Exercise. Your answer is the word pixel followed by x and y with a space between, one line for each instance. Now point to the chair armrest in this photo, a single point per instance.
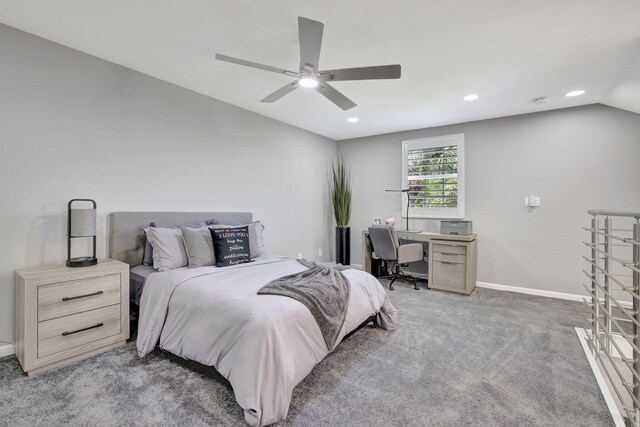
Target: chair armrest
pixel 411 252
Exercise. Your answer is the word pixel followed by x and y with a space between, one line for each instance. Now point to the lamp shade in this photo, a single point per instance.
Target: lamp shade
pixel 82 223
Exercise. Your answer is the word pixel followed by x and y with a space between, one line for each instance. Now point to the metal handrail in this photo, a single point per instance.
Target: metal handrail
pixel 616 259
pixel 613 236
pixel 620 307
pixel 604 311
pixel 615 212
pixel 630 412
pixel 623 287
pixel 627 361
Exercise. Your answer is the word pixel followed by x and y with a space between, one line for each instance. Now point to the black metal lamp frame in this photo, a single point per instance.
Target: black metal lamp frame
pixel 79 261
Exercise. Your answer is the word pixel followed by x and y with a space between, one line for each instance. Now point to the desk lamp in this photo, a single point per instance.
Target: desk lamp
pixel 404 190
pixel 81 223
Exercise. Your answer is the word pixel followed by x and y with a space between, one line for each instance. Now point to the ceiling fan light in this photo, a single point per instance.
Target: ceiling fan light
pixel 308 81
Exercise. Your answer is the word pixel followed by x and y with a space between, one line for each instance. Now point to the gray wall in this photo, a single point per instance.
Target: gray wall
pixel 574 159
pixel 72 125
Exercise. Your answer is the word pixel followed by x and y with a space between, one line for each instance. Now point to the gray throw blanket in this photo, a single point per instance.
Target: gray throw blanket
pixel 323 289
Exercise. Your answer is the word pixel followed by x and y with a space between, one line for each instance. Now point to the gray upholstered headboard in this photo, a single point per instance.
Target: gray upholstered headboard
pixel 127 238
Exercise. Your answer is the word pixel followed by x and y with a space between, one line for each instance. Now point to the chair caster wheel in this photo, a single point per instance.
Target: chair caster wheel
pixel 417 288
pixel 391 288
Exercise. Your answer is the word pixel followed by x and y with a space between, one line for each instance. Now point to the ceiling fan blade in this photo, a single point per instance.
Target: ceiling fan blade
pixel 362 73
pixel 336 97
pixel 226 58
pixel 281 92
pixel 310 34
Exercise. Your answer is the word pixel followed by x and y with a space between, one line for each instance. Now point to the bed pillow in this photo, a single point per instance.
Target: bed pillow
pixel 148 252
pixel 198 245
pixel 148 249
pixel 231 245
pixel 256 239
pixel 168 248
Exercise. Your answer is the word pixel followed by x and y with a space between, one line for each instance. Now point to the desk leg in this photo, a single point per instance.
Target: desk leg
pixel 367 251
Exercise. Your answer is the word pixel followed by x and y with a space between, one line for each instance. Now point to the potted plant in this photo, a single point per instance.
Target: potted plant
pixel 341 198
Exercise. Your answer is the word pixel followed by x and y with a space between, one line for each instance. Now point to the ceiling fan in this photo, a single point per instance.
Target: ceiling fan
pixel 309 75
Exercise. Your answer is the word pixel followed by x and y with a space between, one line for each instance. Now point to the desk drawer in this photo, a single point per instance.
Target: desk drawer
pixel 449 249
pixel 63 299
pixel 72 331
pixel 449 274
pixel 458 259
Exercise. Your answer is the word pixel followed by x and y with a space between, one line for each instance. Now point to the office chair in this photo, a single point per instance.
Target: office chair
pixel 387 247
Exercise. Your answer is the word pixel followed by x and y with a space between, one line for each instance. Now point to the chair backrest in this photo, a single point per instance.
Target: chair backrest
pixel 385 242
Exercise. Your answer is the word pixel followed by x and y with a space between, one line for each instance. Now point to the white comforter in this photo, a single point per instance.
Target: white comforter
pixel 263 344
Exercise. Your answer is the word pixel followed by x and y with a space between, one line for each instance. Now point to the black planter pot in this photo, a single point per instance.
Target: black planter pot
pixel 343 245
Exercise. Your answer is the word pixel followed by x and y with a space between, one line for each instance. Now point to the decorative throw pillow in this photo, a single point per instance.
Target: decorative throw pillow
pixel 168 248
pixel 256 239
pixel 198 245
pixel 148 248
pixel 231 245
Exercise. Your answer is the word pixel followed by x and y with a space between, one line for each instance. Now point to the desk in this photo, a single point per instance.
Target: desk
pixel 452 259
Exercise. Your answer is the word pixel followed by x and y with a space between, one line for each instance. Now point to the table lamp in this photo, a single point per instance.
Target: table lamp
pixel 404 190
pixel 81 223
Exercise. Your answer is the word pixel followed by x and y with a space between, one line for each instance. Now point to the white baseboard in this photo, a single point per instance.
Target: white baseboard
pixel 530 291
pixel 7 350
pixel 618 419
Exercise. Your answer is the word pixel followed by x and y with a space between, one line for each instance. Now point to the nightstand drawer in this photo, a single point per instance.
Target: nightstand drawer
pixel 67 332
pixel 63 299
pixel 449 274
pixel 458 259
pixel 450 249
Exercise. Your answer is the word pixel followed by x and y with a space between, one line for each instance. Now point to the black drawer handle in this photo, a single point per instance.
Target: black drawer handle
pixel 64 334
pixel 82 296
pixel 448 262
pixel 450 253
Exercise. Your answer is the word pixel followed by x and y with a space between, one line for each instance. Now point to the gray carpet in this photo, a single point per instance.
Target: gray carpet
pixel 490 359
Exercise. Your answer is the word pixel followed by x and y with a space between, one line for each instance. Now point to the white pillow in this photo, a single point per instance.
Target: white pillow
pixel 168 248
pixel 259 233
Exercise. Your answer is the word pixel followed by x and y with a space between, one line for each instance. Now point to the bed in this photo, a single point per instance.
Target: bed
pixel 263 344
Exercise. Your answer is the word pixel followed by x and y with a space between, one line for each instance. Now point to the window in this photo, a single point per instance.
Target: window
pixel 433 171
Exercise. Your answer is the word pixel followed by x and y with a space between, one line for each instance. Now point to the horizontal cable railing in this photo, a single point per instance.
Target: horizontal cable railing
pixel 614 321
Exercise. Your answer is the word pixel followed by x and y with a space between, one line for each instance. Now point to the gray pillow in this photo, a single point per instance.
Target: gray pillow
pixel 168 248
pixel 148 248
pixel 199 246
pixel 256 241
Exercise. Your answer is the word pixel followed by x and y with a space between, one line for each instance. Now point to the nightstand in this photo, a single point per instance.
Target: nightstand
pixel 66 314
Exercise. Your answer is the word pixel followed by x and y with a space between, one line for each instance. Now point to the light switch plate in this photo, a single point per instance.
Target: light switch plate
pixel 532 201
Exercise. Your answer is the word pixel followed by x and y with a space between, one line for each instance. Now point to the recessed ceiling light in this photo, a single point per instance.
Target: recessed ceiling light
pixel 352 119
pixel 308 81
pixel 470 97
pixel 574 93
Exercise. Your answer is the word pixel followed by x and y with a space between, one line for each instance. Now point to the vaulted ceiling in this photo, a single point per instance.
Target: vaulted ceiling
pixel 507 52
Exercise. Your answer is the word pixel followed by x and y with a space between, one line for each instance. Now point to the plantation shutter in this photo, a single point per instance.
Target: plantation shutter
pixel 433 172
